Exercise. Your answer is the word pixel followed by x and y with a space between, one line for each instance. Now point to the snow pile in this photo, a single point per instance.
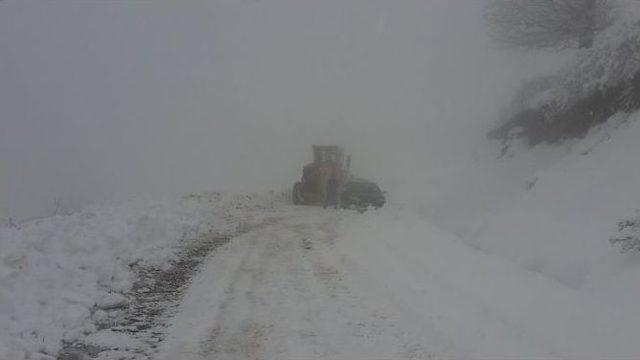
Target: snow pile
pixel 54 270
pixel 482 305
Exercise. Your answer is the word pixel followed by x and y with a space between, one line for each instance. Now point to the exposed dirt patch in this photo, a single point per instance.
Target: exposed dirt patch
pixel 152 300
pixel 155 293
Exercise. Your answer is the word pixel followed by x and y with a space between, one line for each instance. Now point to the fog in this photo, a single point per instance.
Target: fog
pixel 102 101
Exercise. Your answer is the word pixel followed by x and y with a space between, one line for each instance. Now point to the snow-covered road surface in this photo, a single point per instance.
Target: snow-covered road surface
pixel 318 284
pixel 286 282
pixel 284 292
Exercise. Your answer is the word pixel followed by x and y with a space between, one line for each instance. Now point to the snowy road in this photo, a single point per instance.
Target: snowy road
pixel 317 284
pixel 283 292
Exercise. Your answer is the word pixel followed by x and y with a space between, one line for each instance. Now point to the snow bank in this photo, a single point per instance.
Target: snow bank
pixel 484 304
pixel 54 270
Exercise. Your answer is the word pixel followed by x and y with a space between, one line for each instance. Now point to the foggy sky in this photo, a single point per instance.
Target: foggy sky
pixel 103 100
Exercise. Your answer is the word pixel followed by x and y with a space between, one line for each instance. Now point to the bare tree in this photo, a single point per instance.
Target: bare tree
pixel 536 24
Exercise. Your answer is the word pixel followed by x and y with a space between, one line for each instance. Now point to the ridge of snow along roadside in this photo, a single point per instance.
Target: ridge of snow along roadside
pixel 54 270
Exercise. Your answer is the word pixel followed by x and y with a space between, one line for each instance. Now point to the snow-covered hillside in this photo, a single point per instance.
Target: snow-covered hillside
pixel 561 225
pixel 552 208
pixel 55 273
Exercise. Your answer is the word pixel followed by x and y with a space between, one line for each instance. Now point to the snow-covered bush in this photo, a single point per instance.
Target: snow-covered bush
pixel 538 24
pixel 628 237
pixel 614 59
pixel 596 84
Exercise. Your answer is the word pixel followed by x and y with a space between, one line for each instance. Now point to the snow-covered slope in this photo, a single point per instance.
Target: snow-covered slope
pixel 54 271
pixel 482 304
pixel 561 226
pixel 553 208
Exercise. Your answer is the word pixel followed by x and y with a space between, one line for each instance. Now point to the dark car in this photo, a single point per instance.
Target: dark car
pixel 360 194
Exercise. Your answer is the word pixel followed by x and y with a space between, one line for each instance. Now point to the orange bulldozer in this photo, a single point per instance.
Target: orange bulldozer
pixel 328 162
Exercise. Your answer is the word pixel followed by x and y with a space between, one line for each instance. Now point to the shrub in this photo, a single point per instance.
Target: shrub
pixel 628 237
pixel 600 82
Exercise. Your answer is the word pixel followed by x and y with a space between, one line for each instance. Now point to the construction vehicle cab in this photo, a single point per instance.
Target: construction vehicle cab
pixel 328 162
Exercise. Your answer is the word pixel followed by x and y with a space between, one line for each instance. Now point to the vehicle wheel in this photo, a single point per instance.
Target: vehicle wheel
pixel 296 194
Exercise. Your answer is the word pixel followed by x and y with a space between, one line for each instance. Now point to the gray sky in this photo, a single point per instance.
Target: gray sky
pixel 102 100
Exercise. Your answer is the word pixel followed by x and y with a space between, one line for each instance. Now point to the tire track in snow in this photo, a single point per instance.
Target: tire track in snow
pixel 280 293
